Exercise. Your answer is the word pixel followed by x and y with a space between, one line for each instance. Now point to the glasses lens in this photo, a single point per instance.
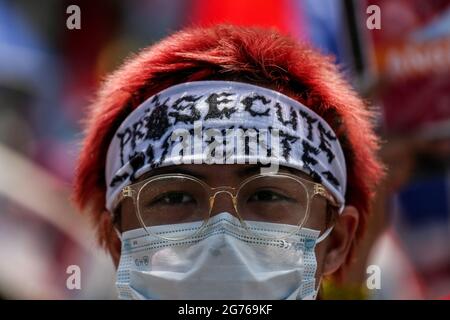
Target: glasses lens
pixel 172 200
pixel 275 199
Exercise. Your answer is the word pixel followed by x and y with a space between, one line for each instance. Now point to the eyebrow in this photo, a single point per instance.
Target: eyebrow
pixel 248 171
pixel 255 169
pixel 243 173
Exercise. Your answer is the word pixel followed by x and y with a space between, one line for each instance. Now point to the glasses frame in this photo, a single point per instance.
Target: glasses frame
pixel 312 189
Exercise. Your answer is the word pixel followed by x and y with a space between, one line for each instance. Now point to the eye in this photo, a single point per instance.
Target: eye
pixel 268 196
pixel 174 198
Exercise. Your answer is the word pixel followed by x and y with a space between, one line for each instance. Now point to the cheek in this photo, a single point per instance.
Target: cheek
pixel 317 216
pixel 129 220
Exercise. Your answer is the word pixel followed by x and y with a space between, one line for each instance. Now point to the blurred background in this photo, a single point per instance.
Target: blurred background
pixel 49 74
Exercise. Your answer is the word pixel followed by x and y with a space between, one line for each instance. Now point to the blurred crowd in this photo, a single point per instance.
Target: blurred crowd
pixel 49 74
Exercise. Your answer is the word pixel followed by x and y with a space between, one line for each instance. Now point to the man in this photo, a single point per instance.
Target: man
pixel 227 163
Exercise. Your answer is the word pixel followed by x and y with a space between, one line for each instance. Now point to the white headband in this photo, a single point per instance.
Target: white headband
pixel 150 137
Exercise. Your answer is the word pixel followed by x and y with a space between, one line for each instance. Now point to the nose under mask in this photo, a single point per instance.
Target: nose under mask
pixel 223 261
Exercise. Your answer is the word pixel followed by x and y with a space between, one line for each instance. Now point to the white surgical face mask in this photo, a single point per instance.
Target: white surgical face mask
pixel 223 261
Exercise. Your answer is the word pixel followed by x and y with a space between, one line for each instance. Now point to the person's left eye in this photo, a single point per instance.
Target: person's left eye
pixel 268 196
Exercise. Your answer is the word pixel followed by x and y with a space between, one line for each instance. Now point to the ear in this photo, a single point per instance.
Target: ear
pixel 340 240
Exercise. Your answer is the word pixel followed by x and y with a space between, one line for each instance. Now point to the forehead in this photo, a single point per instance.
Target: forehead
pixel 219 172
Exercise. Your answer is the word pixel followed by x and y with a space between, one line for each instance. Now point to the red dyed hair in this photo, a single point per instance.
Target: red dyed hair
pixel 258 56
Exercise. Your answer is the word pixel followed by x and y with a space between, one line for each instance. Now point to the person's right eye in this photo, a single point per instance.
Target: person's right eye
pixel 174 198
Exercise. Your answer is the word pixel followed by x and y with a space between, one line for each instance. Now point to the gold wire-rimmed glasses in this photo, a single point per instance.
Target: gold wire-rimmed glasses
pixel 281 198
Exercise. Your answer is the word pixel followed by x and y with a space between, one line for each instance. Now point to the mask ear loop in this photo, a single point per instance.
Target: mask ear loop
pixel 325 234
pixel 329 229
pixel 118 233
pixel 115 222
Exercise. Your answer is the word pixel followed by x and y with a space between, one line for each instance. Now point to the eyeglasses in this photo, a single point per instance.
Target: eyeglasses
pixel 178 198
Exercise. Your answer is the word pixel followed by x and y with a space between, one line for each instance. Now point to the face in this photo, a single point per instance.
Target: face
pixel 330 253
